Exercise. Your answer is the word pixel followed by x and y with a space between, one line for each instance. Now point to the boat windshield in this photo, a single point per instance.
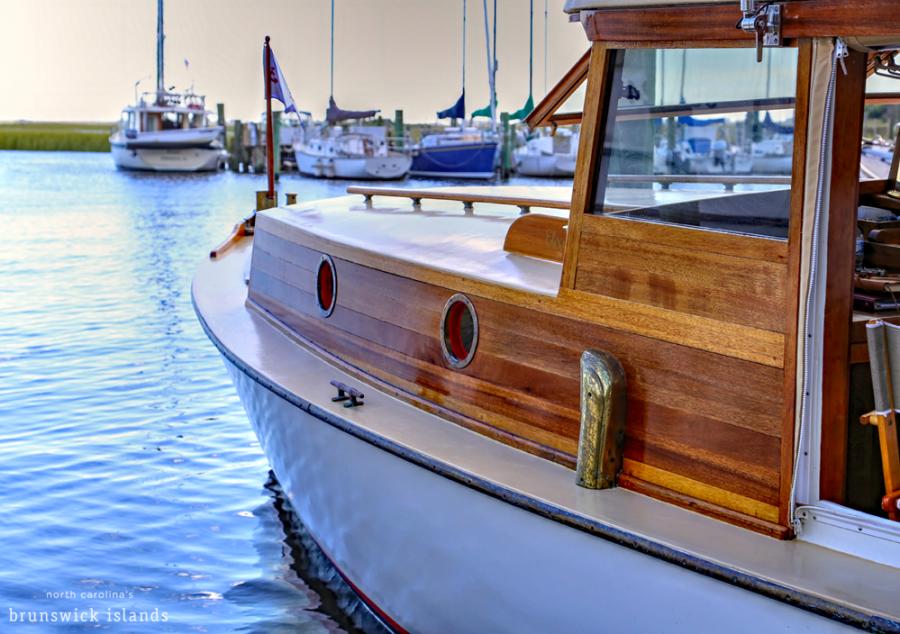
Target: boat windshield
pixel 700 137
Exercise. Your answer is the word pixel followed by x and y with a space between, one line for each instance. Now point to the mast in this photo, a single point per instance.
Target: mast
pixel 546 46
pixel 490 66
pixel 270 141
pixel 331 84
pixel 160 39
pixel 530 47
pixel 494 72
pixel 464 50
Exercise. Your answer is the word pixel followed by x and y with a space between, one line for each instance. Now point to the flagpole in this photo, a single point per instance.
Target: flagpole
pixel 270 143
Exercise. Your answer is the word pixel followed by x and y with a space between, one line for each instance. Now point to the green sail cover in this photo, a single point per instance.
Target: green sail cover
pixel 524 111
pixel 484 112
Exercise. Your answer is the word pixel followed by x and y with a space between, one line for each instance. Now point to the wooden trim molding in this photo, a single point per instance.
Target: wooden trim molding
pixel 716 22
pixel 849 111
pixel 588 157
pixel 544 113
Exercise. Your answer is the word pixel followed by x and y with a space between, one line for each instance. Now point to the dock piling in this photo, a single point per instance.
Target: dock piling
pixel 398 128
pixel 505 147
pixel 276 143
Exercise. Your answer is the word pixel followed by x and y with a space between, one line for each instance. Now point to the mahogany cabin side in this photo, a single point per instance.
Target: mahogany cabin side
pixel 704 322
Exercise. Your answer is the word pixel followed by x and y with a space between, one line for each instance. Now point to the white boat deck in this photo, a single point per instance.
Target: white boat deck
pixel 439 235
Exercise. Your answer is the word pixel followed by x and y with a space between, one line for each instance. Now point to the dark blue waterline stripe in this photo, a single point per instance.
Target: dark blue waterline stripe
pixel 765 587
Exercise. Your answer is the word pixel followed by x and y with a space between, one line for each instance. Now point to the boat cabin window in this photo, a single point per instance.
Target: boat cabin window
pixel 172 120
pixel 699 137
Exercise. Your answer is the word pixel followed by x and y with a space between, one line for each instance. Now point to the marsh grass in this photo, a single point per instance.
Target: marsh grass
pixel 72 137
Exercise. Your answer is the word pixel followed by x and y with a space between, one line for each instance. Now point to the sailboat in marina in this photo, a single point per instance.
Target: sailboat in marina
pixel 463 151
pixel 362 152
pixel 167 131
pixel 545 154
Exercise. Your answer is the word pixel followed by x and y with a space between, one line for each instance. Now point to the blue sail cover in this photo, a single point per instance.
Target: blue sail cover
pixel 335 115
pixel 694 122
pixel 456 111
pixel 776 127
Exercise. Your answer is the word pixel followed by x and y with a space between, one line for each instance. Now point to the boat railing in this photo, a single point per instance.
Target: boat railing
pixel 525 204
pixel 467 199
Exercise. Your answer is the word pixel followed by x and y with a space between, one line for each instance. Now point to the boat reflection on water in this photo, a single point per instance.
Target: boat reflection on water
pixel 308 585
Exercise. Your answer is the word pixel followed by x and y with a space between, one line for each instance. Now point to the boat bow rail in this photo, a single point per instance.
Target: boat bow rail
pixel 467 198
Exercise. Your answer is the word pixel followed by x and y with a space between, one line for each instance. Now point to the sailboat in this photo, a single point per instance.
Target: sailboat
pixel 359 152
pixel 463 151
pixel 167 131
pixel 545 154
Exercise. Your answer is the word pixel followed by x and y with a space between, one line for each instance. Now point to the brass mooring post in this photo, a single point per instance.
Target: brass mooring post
pixel 603 415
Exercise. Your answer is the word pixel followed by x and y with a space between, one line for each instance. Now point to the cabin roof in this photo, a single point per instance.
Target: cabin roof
pixel 573 6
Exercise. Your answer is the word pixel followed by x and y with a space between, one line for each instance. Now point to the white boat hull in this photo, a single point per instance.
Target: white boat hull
pixel 191 159
pixel 390 167
pixel 545 164
pixel 435 555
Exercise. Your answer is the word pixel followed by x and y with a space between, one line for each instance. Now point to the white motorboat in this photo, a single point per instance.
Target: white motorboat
pixel 167 131
pixel 548 155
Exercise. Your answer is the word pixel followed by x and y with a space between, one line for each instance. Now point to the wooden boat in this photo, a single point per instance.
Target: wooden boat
pixel 630 406
pixel 167 131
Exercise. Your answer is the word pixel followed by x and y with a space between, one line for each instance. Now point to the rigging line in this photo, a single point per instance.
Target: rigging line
pixel 546 46
pixel 331 84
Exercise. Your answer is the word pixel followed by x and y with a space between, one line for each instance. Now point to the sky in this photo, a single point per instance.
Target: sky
pixel 78 60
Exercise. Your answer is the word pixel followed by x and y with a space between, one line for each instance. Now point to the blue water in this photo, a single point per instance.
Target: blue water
pixel 131 482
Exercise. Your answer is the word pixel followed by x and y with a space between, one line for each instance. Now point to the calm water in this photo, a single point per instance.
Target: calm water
pixel 130 480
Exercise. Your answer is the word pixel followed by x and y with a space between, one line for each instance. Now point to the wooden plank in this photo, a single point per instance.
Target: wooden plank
pixel 730 244
pixel 697 24
pixel 538 236
pixel 559 94
pixel 588 159
pixel 706 508
pixel 792 294
pixel 687 280
pixel 849 110
pixel 700 491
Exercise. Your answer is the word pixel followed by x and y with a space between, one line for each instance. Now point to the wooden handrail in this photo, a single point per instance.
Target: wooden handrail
pixel 468 200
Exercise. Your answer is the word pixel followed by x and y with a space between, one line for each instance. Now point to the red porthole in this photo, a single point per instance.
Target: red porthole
pixel 326 286
pixel 459 331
